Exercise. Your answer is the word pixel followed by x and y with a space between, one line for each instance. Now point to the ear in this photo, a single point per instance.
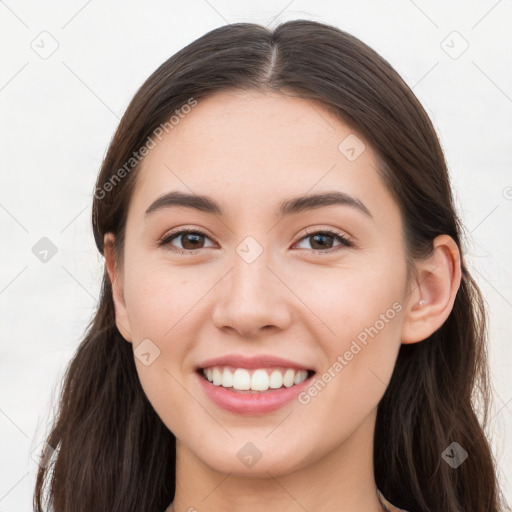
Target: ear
pixel 433 292
pixel 122 320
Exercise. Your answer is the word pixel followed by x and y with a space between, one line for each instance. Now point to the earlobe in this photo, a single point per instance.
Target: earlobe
pixel 433 295
pixel 122 321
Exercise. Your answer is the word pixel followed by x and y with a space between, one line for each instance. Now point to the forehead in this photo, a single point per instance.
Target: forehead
pixel 252 150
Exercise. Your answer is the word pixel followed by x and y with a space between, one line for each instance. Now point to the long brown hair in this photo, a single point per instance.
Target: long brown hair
pixel 112 451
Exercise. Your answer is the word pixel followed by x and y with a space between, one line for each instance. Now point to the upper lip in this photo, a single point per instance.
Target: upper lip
pixel 261 361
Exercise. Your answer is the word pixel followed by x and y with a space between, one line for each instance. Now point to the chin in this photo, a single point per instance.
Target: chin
pixel 251 456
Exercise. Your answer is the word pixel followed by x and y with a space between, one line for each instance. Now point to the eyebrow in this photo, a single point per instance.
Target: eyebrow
pixel 287 207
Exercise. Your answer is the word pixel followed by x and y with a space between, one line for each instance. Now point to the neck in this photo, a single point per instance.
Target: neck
pixel 339 480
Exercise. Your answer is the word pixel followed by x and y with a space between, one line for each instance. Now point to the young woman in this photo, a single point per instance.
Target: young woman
pixel 286 320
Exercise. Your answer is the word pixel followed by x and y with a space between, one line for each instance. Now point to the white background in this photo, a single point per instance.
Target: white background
pixel 59 114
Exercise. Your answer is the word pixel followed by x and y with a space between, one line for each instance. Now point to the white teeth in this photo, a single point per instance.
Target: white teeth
pixel 289 378
pixel 276 379
pixel 260 380
pixel 241 379
pixel 217 376
pixel 227 379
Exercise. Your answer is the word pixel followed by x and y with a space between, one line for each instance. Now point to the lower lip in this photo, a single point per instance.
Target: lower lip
pixel 252 403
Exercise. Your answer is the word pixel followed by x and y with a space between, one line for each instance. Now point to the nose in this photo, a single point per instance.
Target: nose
pixel 251 298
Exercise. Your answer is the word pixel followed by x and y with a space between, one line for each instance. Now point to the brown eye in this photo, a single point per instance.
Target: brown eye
pixel 323 241
pixel 190 240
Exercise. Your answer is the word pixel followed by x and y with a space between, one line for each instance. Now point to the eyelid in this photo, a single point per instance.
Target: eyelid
pixel 170 236
pixel 332 231
pixel 346 241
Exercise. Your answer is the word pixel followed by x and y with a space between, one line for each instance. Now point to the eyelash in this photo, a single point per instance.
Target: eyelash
pixel 343 239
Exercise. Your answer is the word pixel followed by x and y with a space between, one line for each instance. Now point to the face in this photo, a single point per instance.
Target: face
pixel 321 287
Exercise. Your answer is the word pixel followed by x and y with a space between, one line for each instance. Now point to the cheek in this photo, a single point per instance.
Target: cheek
pixel 359 348
pixel 160 303
pixel 360 319
pixel 349 298
pixel 160 298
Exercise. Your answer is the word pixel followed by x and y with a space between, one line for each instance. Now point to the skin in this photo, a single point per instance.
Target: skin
pixel 250 151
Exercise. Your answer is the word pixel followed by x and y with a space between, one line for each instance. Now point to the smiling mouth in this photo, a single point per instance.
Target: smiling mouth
pixel 254 381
